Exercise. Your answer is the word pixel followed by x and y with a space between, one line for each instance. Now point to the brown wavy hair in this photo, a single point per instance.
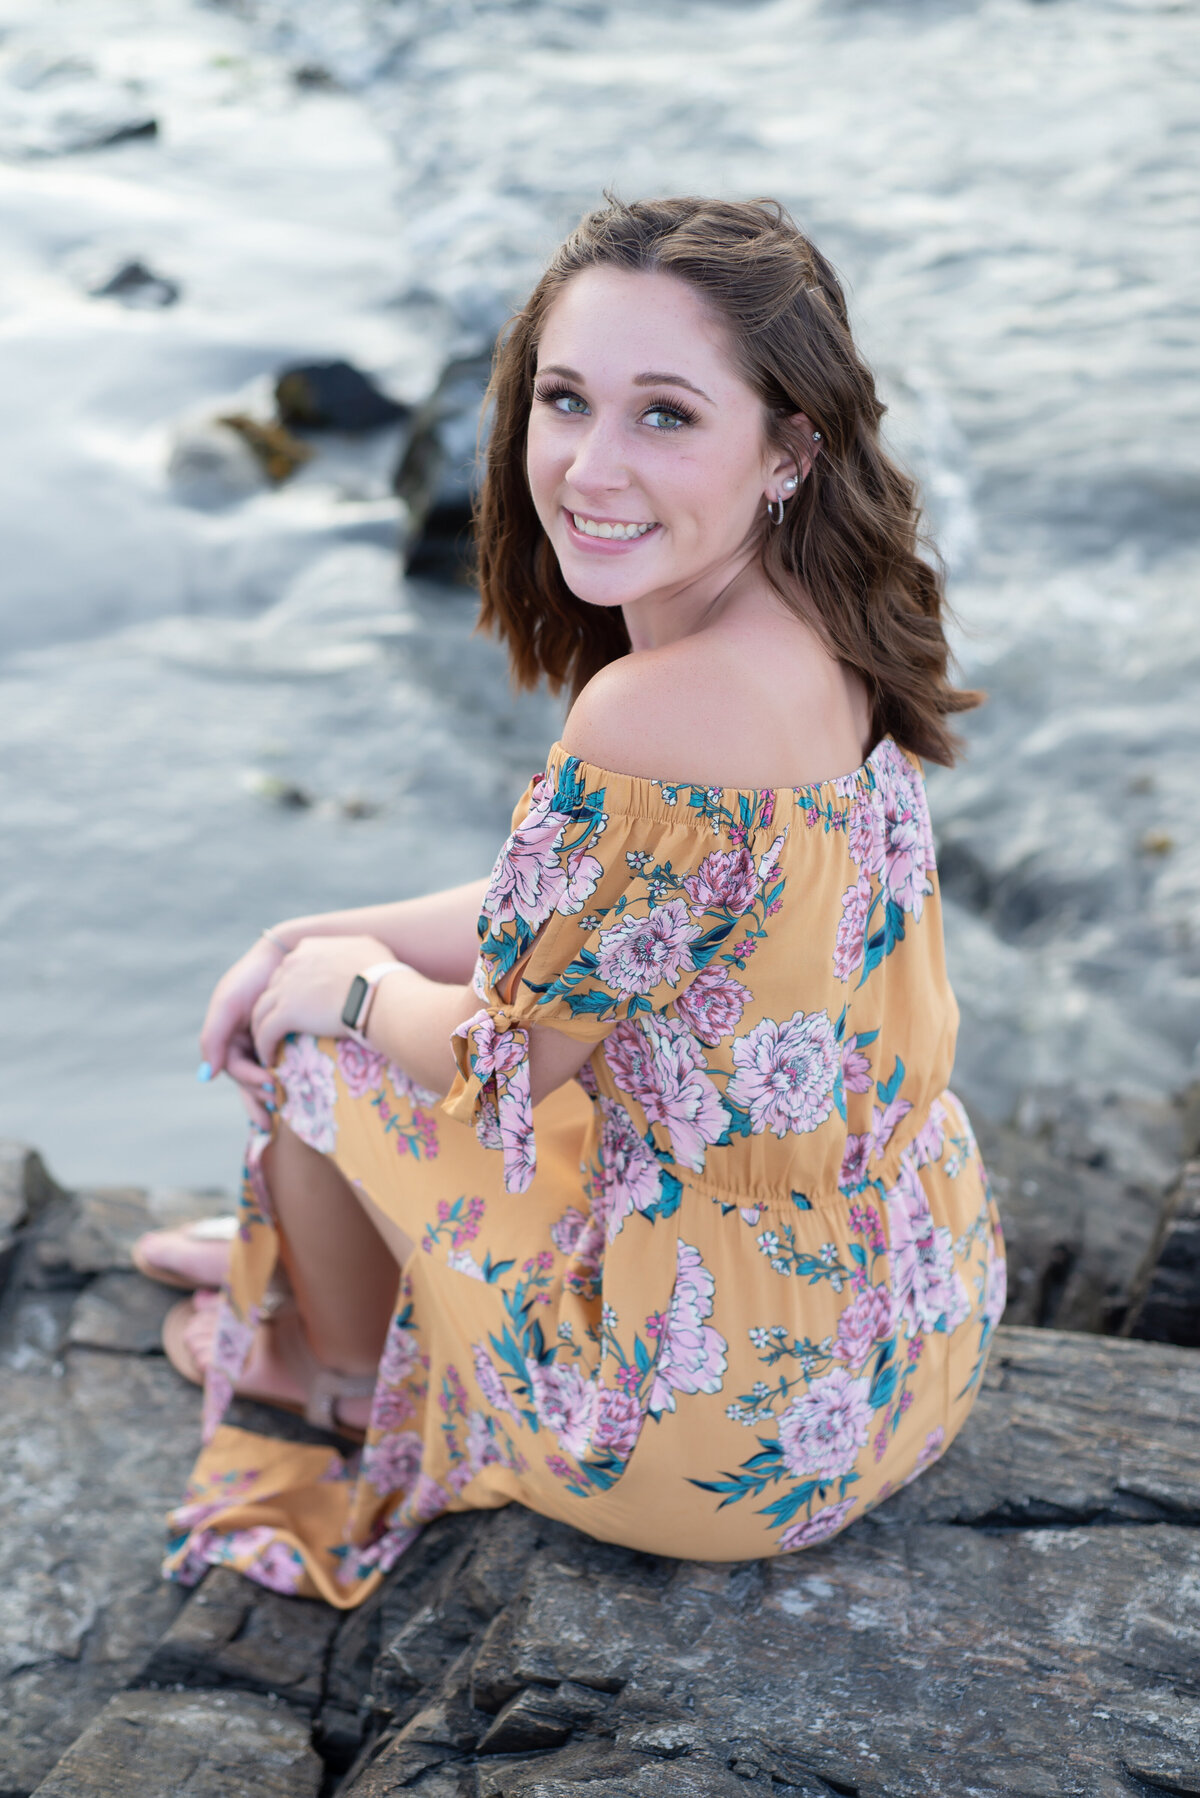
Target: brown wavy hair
pixel 848 548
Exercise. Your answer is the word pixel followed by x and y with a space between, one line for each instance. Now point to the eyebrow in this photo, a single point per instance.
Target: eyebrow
pixel 652 378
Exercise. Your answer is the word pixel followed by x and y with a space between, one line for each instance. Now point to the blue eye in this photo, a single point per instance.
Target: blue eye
pixel 563 399
pixel 665 418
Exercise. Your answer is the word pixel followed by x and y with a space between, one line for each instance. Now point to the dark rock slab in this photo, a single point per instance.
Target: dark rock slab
pixel 25 1190
pixel 334 396
pixel 438 475
pixel 1165 1304
pixel 122 1313
pixel 204 1744
pixel 234 1633
pixel 92 1231
pixel 1079 1211
pixel 92 1456
pixel 1017 1621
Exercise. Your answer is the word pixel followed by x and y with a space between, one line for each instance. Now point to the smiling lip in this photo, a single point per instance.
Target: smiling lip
pixel 606 545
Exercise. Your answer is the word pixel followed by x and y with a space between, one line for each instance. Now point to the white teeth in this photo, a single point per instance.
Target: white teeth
pixel 590 528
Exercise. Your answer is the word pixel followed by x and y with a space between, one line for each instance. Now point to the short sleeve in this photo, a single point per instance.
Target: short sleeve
pixel 597 910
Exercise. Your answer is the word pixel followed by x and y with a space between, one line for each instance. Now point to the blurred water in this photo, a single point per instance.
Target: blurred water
pixel 1011 189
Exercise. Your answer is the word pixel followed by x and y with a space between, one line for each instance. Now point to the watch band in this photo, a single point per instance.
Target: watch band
pixel 362 991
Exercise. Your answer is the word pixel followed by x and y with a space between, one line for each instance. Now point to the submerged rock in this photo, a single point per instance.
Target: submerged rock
pixel 211 464
pixel 438 476
pixel 136 285
pixel 334 396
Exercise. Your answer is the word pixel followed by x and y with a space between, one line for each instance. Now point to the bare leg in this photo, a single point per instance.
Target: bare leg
pixel 342 1256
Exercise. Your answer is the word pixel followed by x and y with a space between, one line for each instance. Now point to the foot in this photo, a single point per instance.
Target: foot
pixel 271 1375
pixel 192 1255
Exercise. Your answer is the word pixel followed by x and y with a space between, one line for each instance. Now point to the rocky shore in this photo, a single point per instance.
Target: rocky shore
pixel 1018 1621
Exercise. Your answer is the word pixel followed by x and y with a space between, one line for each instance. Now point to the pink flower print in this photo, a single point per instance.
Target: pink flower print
pixel 821 1432
pixel 904 856
pixel 489 1383
pixel 463 1262
pixel 995 1295
pixel 850 944
pixel 725 881
pixel 692 1355
pixel 561 1469
pixel 628 1177
pixel 864 831
pixel 393 1463
pixel 866 1320
pixel 856 1159
pixel 391 1407
pixel 784 1074
pixel 856 1067
pixel 935 1444
pixel 361 1067
pixel 565 1403
pixel 232 1342
pixel 818 1528
pixel 499 1060
pixel 712 1005
pixel 618 1424
pixel 929 1294
pixel 481 1448
pixel 527 877
pixel 428 1500
pixel 638 954
pixel 267 1560
pixel 580 877
pixel 565 1233
pixel 306 1075
pixel 401 1355
pixel 769 861
pixel 883 1122
pixel 671 1083
pixel 930 1139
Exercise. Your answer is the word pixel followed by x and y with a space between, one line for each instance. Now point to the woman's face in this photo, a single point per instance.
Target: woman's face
pixel 647 457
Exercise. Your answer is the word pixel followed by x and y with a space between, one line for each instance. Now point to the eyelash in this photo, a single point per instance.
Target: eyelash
pixel 560 391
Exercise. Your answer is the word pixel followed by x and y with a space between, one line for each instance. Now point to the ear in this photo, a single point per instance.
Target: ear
pixel 794 463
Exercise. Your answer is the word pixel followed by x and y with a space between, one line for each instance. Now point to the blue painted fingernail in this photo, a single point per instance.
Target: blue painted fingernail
pixel 269 1106
pixel 268 1086
pixel 204 1071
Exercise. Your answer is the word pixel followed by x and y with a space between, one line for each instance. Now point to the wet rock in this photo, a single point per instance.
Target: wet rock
pixel 235 1633
pixel 207 1744
pixel 122 1313
pixel 92 1456
pixel 1078 1214
pixel 25 1190
pixel 1165 1306
pixel 438 475
pixel 211 465
pixel 92 1231
pixel 136 285
pixel 334 396
pixel 277 450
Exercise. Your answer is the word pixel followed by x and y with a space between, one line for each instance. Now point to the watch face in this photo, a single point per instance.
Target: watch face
pixel 354 1002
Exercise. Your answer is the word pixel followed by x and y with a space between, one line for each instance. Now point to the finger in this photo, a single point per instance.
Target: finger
pixel 244 1066
pixel 269 1026
pixel 256 1111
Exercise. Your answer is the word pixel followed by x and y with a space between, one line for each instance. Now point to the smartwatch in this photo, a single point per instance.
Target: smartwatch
pixel 362 992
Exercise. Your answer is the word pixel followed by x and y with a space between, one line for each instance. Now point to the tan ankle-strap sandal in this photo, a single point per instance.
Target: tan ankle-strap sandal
pixel 323 1386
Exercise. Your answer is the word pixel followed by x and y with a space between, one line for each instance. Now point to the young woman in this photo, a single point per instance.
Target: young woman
pixel 626 1182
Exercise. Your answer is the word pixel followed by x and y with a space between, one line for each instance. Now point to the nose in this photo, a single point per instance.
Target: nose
pixel 599 464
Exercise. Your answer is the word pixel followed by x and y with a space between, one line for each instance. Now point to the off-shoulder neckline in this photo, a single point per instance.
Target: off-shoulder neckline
pixel 648 784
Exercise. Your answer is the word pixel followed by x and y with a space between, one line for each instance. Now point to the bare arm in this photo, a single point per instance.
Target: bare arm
pixel 435 933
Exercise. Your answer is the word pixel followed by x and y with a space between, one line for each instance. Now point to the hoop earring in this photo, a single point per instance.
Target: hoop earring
pixel 771 513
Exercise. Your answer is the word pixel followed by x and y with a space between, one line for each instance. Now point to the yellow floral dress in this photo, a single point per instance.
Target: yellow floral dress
pixel 716 1297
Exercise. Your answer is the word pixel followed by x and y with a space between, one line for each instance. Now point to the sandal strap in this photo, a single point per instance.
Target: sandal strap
pixel 327 1387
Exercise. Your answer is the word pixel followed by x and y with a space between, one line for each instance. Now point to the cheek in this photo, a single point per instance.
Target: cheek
pixel 543 463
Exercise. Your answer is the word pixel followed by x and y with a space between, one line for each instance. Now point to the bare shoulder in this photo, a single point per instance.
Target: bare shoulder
pixel 648 713
pixel 723 709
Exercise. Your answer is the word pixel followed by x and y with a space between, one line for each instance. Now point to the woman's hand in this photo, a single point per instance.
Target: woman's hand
pixel 307 990
pixel 225 1039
